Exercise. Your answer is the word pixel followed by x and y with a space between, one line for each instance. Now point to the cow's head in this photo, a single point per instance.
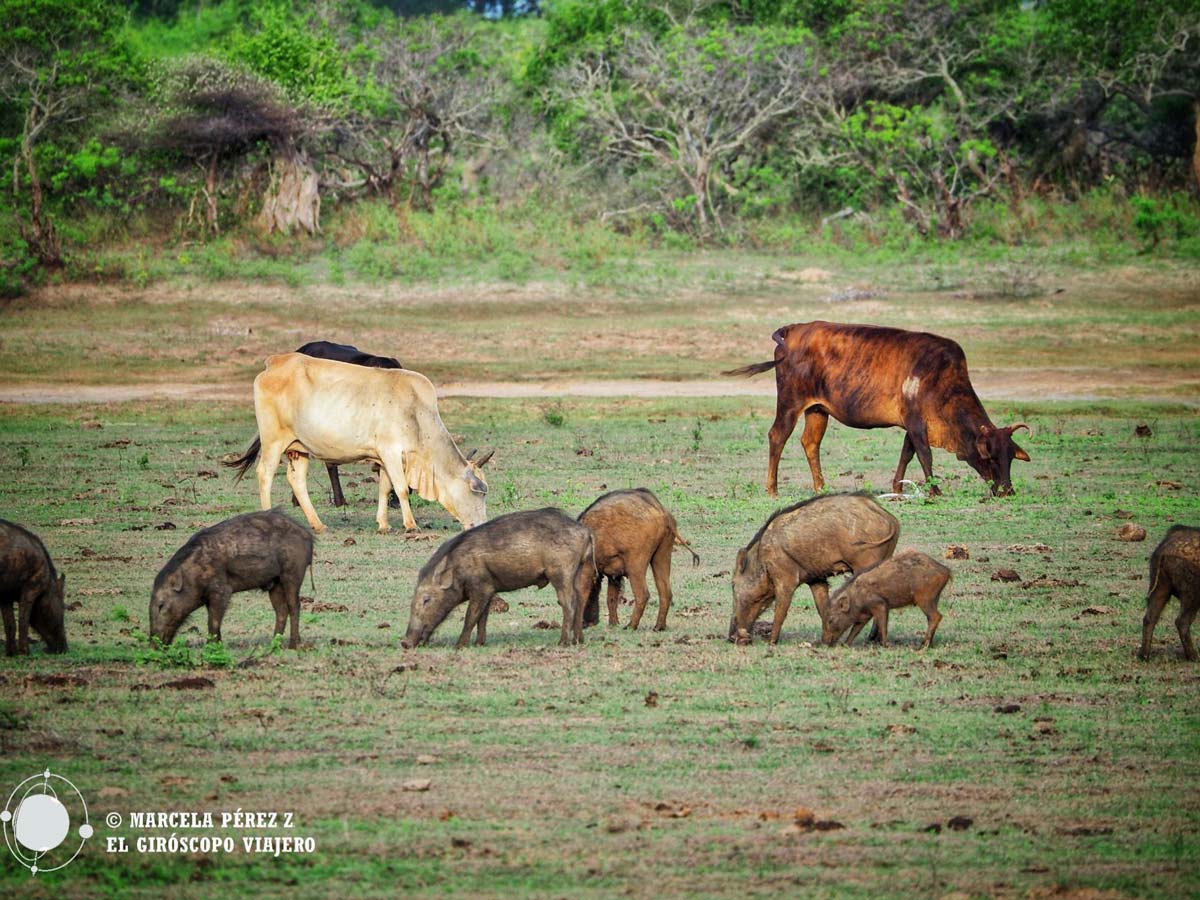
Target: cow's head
pixel 465 497
pixel 993 453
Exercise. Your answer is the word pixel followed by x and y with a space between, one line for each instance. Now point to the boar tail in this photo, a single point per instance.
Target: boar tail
pixel 245 461
pixel 682 543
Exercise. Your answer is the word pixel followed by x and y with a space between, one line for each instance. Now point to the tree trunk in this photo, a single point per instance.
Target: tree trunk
pixel 211 211
pixel 291 198
pixel 1196 145
pixel 40 233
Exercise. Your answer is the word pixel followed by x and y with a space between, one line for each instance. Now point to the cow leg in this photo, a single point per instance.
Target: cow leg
pixel 785 424
pixel 297 476
pixel 816 420
pixel 10 628
pixel 393 464
pixel 335 484
pixel 906 455
pixel 783 601
pixel 385 487
pixel 920 442
pixel 661 566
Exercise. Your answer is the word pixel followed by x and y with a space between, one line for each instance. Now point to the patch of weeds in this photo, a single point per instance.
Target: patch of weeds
pixel 554 417
pixel 215 655
pixel 152 652
pixel 144 461
pixel 120 614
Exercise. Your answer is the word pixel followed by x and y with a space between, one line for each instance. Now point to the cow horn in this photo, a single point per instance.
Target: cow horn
pixel 471 455
pixel 1019 426
pixel 482 461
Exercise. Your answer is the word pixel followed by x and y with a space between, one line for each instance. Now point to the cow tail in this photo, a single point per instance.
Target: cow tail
pixel 753 369
pixel 245 461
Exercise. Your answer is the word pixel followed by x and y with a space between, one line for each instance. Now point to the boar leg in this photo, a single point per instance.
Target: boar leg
pixel 476 608
pixel 572 612
pixel 641 595
pixel 24 611
pixel 1156 602
pixel 855 629
pixel 217 602
pixel 784 589
pixel 820 592
pixel 661 566
pixel 880 612
pixel 481 622
pixel 932 617
pixel 613 598
pixel 10 629
pixel 816 420
pixel 1184 626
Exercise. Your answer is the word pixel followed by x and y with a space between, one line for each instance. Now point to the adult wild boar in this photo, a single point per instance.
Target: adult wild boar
pixel 29 582
pixel 633 532
pixel 1174 571
pixel 871 377
pixel 909 579
pixel 264 550
pixel 521 549
pixel 805 544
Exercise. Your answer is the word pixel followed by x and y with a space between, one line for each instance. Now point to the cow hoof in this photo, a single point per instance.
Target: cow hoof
pixel 319 529
pixel 385 529
pixel 660 627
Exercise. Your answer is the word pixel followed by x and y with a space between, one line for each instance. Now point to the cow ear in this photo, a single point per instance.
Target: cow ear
pixel 981 446
pixel 741 560
pixel 474 482
pixel 1021 455
pixel 483 460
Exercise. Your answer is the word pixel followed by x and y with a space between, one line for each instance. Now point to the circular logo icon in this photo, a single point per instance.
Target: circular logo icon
pixel 37 822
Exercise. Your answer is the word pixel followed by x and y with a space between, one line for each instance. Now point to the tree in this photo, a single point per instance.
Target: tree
pixel 56 59
pixel 692 102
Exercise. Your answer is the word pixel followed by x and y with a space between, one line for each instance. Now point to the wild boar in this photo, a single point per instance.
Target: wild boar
pixel 28 580
pixel 910 579
pixel 633 532
pixel 264 550
pixel 521 549
pixel 805 544
pixel 1174 571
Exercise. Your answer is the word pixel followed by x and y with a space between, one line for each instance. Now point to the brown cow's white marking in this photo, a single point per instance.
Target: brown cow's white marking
pixel 342 413
pixel 911 386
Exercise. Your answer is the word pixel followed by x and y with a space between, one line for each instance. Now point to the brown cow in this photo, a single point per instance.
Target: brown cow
pixel 866 376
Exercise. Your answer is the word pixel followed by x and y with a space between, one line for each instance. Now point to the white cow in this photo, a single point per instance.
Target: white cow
pixel 341 413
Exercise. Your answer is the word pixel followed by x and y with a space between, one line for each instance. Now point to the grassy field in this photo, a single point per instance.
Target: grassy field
pixel 672 764
pixel 642 764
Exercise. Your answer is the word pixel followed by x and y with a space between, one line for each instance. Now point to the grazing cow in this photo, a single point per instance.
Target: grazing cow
pixel 343 413
pixel 347 354
pixel 871 377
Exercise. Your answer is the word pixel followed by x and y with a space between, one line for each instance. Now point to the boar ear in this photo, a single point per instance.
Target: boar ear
pixel 443 578
pixel 741 560
pixel 175 582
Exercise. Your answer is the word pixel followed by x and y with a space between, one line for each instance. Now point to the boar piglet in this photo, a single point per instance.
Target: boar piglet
pixel 521 549
pixel 263 550
pixel 805 544
pixel 1174 571
pixel 910 579
pixel 633 532
pixel 28 581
